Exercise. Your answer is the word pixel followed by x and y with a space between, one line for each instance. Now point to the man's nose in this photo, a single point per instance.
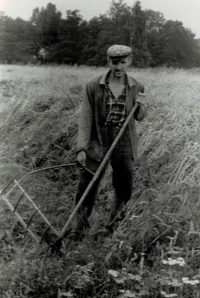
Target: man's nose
pixel 118 65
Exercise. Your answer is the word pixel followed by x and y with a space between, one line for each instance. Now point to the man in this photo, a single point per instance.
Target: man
pixel 107 102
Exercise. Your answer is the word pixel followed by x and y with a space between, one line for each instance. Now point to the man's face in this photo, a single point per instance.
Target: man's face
pixel 119 66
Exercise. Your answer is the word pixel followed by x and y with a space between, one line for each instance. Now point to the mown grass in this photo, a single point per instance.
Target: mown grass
pixel 39 111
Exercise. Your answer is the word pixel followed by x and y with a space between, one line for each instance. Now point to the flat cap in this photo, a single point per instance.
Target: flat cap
pixel 118 51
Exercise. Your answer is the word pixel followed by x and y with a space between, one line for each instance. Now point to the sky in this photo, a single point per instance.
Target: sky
pixel 186 11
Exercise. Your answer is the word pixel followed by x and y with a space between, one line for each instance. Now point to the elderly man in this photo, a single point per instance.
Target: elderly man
pixel 108 100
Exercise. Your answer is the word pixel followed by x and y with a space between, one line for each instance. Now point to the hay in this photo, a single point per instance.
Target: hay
pixel 39 112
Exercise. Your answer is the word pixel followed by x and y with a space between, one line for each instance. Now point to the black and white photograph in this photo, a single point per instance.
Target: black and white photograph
pixel 99 149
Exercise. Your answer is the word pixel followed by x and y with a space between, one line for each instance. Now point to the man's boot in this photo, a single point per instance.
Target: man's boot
pixel 117 214
pixel 81 224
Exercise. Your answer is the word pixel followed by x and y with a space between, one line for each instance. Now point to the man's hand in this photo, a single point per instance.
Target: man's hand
pixel 140 112
pixel 81 158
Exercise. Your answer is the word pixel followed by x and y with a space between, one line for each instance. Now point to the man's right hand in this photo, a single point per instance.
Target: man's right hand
pixel 81 158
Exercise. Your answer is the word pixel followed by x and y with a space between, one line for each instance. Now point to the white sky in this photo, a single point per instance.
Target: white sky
pixel 186 11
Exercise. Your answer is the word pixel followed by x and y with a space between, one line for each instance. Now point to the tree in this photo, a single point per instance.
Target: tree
pixel 178 45
pixel 154 24
pixel 116 24
pixel 120 14
pixel 72 40
pixel 15 43
pixel 71 37
pixel 91 31
pixel 47 25
pixel 141 55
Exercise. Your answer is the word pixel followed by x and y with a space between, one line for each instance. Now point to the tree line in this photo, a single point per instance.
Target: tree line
pixel 48 38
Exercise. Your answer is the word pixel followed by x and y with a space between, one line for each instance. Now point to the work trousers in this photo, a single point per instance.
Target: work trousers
pixel 122 175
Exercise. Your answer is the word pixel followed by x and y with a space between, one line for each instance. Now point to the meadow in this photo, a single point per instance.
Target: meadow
pixel 155 252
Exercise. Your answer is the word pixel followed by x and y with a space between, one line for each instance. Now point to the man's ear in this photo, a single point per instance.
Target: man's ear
pixel 108 60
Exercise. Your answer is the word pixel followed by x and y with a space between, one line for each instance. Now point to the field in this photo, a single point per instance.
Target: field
pixel 155 252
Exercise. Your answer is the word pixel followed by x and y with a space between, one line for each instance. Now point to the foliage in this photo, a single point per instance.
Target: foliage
pixel 178 45
pixel 47 25
pixel 16 40
pixel 49 38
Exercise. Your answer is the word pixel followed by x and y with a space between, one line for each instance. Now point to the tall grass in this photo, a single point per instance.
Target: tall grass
pixel 39 111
